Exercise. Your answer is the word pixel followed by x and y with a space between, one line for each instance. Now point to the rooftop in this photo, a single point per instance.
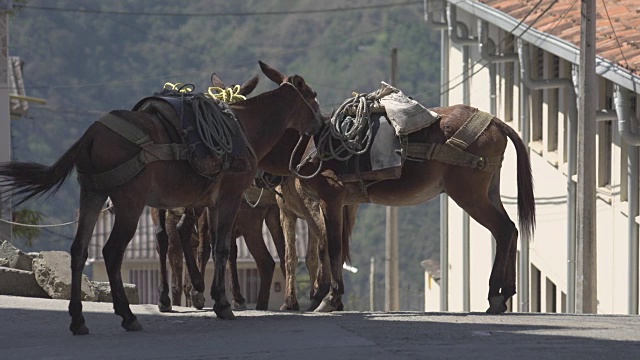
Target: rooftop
pixel 617 25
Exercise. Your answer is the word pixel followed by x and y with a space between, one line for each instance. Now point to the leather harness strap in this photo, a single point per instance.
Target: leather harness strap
pixel 150 152
pixel 453 151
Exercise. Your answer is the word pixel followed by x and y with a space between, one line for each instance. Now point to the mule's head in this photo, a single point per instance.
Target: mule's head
pixel 309 122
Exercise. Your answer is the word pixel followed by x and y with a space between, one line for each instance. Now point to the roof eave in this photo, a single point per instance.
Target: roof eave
pixel 552 44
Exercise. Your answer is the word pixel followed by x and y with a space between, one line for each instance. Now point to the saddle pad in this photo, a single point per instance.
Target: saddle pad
pixel 406 114
pixel 179 113
pixel 382 161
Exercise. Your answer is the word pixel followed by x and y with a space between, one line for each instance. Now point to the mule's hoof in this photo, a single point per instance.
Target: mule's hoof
pixel 325 306
pixel 132 325
pixel 287 307
pixel 496 305
pixel 81 330
pixel 197 298
pixel 314 304
pixel 224 313
pixel 164 307
pixel 240 306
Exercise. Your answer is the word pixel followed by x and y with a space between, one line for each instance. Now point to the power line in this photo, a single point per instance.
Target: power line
pixel 224 14
pixel 465 78
pixel 614 34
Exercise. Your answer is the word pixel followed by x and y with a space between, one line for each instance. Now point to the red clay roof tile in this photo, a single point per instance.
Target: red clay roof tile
pixel 619 44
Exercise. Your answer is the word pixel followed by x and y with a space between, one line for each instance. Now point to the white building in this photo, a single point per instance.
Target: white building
pixel 530 81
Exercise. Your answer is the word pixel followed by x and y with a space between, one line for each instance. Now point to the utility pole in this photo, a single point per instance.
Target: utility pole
pixel 391 286
pixel 5 112
pixel 586 259
pixel 372 285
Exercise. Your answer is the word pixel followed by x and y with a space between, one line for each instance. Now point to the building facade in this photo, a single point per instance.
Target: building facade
pixel 519 60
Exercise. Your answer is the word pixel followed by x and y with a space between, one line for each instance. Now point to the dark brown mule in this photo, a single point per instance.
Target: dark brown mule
pixel 163 184
pixel 477 192
pixel 249 225
pixel 174 242
pixel 174 239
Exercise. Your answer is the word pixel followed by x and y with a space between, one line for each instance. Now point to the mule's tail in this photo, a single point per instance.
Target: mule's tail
pixel 28 179
pixel 346 234
pixel 526 199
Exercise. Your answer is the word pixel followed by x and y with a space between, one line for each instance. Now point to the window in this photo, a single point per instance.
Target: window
pixel 604 134
pixel 509 80
pixel 249 284
pixel 551 302
pixel 535 290
pixel 537 72
pixel 147 282
pixel 550 98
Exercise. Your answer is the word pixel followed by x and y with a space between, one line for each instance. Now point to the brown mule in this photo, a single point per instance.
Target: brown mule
pixel 476 191
pixel 174 242
pixel 162 184
pixel 297 203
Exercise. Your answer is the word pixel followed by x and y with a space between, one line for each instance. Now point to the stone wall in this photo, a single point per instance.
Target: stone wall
pixel 48 275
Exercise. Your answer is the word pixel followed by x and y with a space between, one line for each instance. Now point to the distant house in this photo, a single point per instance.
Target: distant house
pixel 141 264
pixel 519 59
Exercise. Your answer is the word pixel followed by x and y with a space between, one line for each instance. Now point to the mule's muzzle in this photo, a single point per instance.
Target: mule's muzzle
pixel 315 128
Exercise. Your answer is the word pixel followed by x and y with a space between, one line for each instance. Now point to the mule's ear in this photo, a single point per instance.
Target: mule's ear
pixel 297 81
pixel 273 74
pixel 217 82
pixel 248 86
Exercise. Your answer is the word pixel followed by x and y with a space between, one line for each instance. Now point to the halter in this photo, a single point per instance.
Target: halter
pixel 316 114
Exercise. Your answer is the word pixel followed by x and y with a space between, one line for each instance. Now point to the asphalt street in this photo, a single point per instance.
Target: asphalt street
pixel 32 328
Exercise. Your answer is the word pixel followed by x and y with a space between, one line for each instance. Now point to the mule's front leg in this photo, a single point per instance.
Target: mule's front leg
pixel 332 213
pixel 162 246
pixel 185 232
pixel 221 220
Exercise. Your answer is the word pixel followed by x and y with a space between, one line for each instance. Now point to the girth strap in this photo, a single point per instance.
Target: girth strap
pixel 126 171
pixel 450 154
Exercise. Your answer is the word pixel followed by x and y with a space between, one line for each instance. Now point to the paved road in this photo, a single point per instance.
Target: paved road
pixel 38 329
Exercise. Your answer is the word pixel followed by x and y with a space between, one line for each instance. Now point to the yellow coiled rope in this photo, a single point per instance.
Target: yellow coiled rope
pixel 188 88
pixel 228 95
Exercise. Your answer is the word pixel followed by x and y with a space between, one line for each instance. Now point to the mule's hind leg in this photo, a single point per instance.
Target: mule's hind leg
pixel 90 208
pixel 124 228
pixel 252 231
pixel 319 277
pixel 162 246
pixel 509 286
pixel 478 205
pixel 239 302
pixel 288 221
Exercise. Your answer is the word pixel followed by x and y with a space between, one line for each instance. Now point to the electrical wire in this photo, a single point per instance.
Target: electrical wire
pixel 467 77
pixel 225 14
pixel 614 34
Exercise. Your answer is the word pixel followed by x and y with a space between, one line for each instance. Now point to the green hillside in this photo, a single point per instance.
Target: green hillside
pixel 98 58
